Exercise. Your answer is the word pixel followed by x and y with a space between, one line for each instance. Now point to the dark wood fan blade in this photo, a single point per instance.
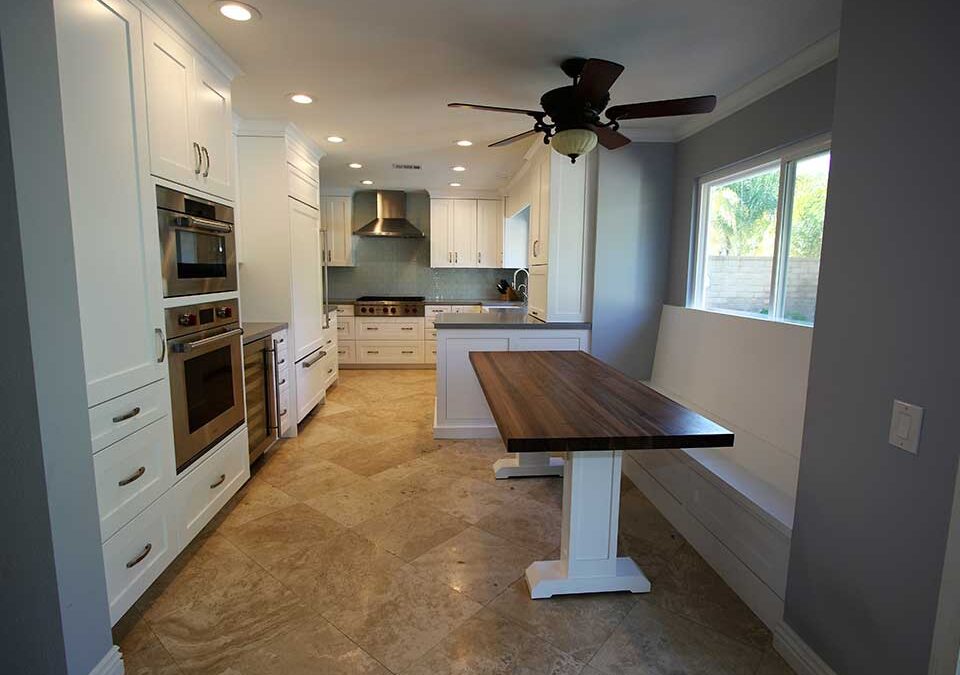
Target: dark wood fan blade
pixel 513 139
pixel 536 114
pixel 609 138
pixel 596 78
pixel 694 105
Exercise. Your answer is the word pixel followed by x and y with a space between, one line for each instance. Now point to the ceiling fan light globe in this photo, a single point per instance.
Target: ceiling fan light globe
pixel 573 143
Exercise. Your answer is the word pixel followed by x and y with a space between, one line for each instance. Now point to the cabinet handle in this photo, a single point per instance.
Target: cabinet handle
pixel 456 257
pixel 136 561
pixel 329 371
pixel 163 345
pixel 406 352
pixel 207 155
pixel 371 328
pixel 478 257
pixel 282 382
pixel 280 341
pixel 136 475
pixel 219 481
pixel 449 257
pixel 406 327
pixel 127 415
pixel 372 352
pixel 283 412
pixel 196 149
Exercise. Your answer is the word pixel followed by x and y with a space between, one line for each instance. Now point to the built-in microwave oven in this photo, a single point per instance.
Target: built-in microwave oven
pixel 197 244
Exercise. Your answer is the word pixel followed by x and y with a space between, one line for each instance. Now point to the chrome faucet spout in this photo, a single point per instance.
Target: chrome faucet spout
pixel 517 287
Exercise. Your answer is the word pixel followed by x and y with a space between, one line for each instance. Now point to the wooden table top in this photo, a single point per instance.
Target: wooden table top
pixel 568 401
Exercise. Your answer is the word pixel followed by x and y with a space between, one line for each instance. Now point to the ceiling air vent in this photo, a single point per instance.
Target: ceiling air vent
pixel 407 167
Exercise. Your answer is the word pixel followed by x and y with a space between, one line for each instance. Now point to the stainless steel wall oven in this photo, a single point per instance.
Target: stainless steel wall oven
pixel 206 376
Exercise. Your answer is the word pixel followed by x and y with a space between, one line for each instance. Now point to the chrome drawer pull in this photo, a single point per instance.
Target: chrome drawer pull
pixel 406 327
pixel 219 482
pixel 127 415
pixel 371 328
pixel 136 474
pixel 139 559
pixel 281 362
pixel 369 352
pixel 282 382
pixel 320 355
pixel 406 352
pixel 283 412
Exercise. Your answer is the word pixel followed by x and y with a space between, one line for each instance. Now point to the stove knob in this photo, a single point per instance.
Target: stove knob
pixel 393 310
pixel 363 310
pixel 187 319
pixel 224 312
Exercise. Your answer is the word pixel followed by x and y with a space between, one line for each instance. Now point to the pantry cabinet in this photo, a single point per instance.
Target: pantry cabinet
pixel 466 232
pixel 188 114
pixel 336 216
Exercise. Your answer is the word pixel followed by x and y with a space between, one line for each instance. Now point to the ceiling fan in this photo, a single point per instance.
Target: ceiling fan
pixel 575 125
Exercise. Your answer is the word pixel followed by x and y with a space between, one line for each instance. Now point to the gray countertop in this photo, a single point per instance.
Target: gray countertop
pixel 255 330
pixel 502 318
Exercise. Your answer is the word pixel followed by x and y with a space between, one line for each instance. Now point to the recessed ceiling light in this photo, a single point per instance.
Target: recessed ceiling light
pixel 237 11
pixel 454 184
pixel 334 139
pixel 303 99
pixel 355 165
pixel 464 143
pixel 459 168
pixel 367 182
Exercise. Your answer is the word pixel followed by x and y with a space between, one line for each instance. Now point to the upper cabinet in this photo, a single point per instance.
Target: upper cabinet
pixel 466 232
pixel 336 220
pixel 540 210
pixel 188 114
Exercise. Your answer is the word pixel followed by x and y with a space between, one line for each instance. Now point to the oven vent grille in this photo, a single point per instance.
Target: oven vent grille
pixel 407 167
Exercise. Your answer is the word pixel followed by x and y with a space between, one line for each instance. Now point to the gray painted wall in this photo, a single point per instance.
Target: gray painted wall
pixel 871 524
pixel 634 203
pixel 55 617
pixel 402 266
pixel 802 109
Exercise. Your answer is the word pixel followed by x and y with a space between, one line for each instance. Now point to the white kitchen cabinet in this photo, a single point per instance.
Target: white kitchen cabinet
pixel 390 352
pixel 537 295
pixel 189 115
pixel 372 328
pixel 490 233
pixel 441 242
pixel 113 216
pixel 307 278
pixel 540 210
pixel 336 216
pixel 313 377
pixel 453 233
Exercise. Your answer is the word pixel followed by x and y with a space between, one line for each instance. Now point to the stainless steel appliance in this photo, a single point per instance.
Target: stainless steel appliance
pixel 391 220
pixel 206 376
pixel 197 244
pixel 385 305
pixel 260 381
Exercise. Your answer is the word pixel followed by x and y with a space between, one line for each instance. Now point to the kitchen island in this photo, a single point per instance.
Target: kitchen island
pixel 461 410
pixel 570 402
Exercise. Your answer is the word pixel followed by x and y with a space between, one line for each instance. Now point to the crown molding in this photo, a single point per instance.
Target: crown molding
pixel 184 25
pixel 457 193
pixel 817 54
pixel 277 129
pixel 649 135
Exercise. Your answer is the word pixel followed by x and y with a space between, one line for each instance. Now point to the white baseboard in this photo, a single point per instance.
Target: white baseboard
pixel 110 664
pixel 797 653
pixel 452 432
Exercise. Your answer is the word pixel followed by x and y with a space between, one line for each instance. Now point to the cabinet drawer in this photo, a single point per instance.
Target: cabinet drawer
pixel 389 329
pixel 204 491
pixel 430 334
pixel 282 357
pixel 390 352
pixel 330 366
pixel 303 188
pixel 300 160
pixel 136 555
pixel 433 310
pixel 284 408
pixel 311 382
pixel 346 328
pixel 347 351
pixel 132 473
pixel 280 340
pixel 430 352
pixel 344 310
pixel 112 420
pixel 465 309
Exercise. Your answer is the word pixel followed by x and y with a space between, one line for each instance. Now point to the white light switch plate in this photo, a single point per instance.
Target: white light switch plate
pixel 905 426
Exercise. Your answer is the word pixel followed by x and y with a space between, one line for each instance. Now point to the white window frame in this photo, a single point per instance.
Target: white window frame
pixel 784 158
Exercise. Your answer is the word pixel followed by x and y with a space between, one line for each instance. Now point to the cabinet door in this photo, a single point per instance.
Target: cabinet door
pixel 335 219
pixel 307 279
pixel 537 298
pixel 464 232
pixel 539 241
pixel 214 130
pixel 489 233
pixel 441 243
pixel 112 207
pixel 174 152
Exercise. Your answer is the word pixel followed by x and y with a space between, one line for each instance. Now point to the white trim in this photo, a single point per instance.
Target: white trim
pixel 797 653
pixel 817 54
pixel 184 25
pixel 278 129
pixel 641 135
pixel 110 664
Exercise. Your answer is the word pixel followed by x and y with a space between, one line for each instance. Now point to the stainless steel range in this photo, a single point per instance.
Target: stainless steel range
pixel 386 305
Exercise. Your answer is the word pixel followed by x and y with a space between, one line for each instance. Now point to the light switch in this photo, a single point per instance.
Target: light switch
pixel 905 426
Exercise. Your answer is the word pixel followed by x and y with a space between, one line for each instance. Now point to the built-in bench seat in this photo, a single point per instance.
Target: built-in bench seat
pixel 735 505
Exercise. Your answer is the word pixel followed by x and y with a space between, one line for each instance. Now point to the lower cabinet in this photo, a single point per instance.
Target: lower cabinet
pixel 537 298
pixel 390 352
pixel 430 351
pixel 347 352
pixel 315 373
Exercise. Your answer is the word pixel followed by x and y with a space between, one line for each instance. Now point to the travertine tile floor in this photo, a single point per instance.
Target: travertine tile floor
pixel 365 546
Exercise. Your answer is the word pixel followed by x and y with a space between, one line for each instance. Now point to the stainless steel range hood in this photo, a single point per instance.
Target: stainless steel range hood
pixel 391 220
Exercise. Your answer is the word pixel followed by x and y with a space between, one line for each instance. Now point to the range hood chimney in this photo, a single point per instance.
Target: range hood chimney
pixel 391 220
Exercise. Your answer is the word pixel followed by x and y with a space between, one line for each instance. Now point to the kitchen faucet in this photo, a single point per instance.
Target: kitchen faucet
pixel 516 287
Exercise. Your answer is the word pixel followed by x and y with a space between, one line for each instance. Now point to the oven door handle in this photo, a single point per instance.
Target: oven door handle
pixel 190 346
pixel 195 223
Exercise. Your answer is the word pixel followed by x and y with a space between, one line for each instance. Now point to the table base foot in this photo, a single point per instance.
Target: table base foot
pixel 511 467
pixel 547 578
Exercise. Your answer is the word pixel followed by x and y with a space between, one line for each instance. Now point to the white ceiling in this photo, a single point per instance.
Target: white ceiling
pixel 382 71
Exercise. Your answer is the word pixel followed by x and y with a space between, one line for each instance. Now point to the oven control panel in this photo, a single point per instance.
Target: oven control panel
pixel 192 318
